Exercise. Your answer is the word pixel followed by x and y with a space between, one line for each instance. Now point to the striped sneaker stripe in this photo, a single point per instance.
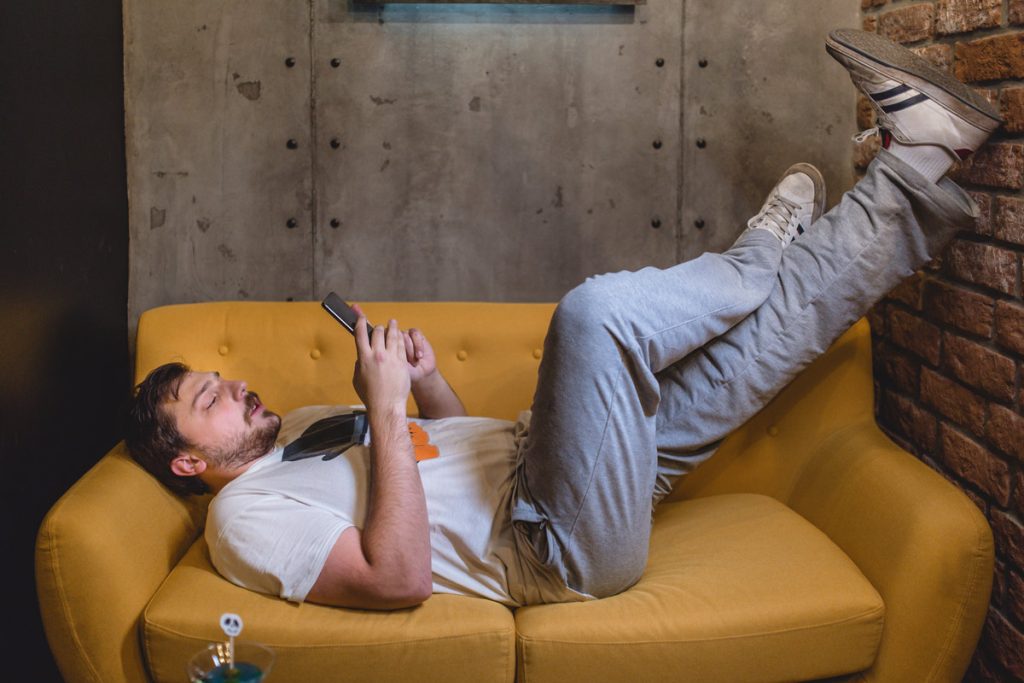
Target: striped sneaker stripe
pixel 909 102
pixel 892 92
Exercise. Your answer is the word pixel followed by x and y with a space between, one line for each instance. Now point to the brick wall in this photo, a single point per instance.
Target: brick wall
pixel 949 341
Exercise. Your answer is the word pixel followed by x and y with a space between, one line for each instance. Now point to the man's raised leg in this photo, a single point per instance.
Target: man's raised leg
pixel 897 218
pixel 587 471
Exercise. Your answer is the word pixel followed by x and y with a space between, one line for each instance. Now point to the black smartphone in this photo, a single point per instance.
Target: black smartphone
pixel 343 313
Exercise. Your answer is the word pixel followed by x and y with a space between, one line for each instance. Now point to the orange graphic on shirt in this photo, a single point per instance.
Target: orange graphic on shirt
pixel 422 448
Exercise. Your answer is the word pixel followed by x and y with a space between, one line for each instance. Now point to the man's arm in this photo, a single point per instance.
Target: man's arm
pixel 387 564
pixel 435 397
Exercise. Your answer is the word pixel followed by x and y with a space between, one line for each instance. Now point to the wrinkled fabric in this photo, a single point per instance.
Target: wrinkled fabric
pixel 645 372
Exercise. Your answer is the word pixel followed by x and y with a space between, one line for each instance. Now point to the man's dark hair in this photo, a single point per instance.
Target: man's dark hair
pixel 151 434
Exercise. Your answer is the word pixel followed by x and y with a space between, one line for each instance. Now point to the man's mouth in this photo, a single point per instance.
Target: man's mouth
pixel 255 407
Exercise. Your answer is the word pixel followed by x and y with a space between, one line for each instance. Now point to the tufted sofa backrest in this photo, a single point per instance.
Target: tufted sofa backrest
pixel 294 354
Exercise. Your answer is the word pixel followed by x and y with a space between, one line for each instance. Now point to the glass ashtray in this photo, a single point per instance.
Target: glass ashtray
pixel 212 664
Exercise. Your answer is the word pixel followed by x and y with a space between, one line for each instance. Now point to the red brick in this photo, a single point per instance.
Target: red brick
pixel 1009 537
pixel 1005 644
pixel 877 317
pixel 953 400
pixel 972 462
pixel 1011 106
pixel 865 113
pixel 999 582
pixel 1016 13
pixel 908 24
pixel 938 54
pixel 959 16
pixel 864 152
pixel 991 59
pixel 1018 487
pixel 1010 326
pixel 962 308
pixel 979 367
pixel 982 264
pixel 994 165
pixel 983 224
pixel 909 291
pixel 1013 602
pixel 870 23
pixel 991 95
pixel 897 369
pixel 1008 223
pixel 1005 431
pixel 915 334
pixel 981 671
pixel 915 426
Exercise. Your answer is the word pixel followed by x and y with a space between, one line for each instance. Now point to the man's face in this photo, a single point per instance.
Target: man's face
pixel 225 422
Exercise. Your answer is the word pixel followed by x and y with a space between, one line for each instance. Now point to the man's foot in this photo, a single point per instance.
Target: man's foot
pixel 793 204
pixel 916 103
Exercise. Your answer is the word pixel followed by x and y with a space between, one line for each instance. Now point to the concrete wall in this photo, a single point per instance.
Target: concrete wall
pixel 474 152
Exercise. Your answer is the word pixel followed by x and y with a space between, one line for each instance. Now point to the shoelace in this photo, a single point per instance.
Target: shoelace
pixel 777 214
pixel 884 136
pixel 865 134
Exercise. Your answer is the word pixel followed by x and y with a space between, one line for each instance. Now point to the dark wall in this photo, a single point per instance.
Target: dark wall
pixel 64 368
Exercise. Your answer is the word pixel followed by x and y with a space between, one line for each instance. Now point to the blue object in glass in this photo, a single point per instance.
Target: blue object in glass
pixel 242 672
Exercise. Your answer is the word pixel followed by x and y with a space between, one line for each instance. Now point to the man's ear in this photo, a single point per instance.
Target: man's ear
pixel 186 465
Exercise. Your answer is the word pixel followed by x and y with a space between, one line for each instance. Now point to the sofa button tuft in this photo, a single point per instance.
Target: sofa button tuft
pixel 223 350
pixel 537 353
pixel 315 354
pixel 773 431
pixel 462 355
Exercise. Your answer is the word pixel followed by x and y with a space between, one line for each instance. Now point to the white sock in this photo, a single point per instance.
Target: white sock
pixel 931 161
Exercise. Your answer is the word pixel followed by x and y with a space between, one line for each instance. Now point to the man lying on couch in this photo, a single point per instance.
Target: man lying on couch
pixel 643 374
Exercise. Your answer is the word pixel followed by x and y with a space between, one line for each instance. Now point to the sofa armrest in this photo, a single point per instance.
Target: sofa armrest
pixel 101 553
pixel 921 542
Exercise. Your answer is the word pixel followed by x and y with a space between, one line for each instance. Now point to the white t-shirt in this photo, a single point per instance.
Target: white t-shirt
pixel 271 528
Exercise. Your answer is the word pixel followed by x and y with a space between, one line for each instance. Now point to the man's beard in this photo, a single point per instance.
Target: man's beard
pixel 251 446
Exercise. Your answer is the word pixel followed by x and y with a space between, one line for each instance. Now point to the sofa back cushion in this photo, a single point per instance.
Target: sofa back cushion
pixel 294 354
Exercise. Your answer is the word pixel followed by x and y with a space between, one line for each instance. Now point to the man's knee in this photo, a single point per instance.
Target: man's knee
pixel 586 306
pixel 610 573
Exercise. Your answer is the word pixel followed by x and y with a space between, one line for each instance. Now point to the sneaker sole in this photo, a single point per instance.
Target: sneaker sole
pixel 819 186
pixel 900 64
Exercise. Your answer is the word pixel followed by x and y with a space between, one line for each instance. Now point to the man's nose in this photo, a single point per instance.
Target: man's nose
pixel 238 388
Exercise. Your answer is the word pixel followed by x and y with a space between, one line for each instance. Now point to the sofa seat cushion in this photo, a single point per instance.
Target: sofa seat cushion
pixel 738 587
pixel 447 639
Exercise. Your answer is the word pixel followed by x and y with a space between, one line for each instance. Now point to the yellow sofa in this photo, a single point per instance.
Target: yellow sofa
pixel 809 546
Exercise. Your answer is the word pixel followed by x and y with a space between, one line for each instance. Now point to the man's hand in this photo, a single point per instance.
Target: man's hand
pixel 419 354
pixel 381 377
pixel 432 393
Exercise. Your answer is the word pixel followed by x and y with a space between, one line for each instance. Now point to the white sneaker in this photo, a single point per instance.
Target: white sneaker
pixel 916 103
pixel 793 204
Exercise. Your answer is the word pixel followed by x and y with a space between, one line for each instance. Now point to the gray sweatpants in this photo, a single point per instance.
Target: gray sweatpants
pixel 644 373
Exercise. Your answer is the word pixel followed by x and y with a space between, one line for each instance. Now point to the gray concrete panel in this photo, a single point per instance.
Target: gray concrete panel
pixel 769 96
pixel 493 152
pixel 483 152
pixel 210 105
